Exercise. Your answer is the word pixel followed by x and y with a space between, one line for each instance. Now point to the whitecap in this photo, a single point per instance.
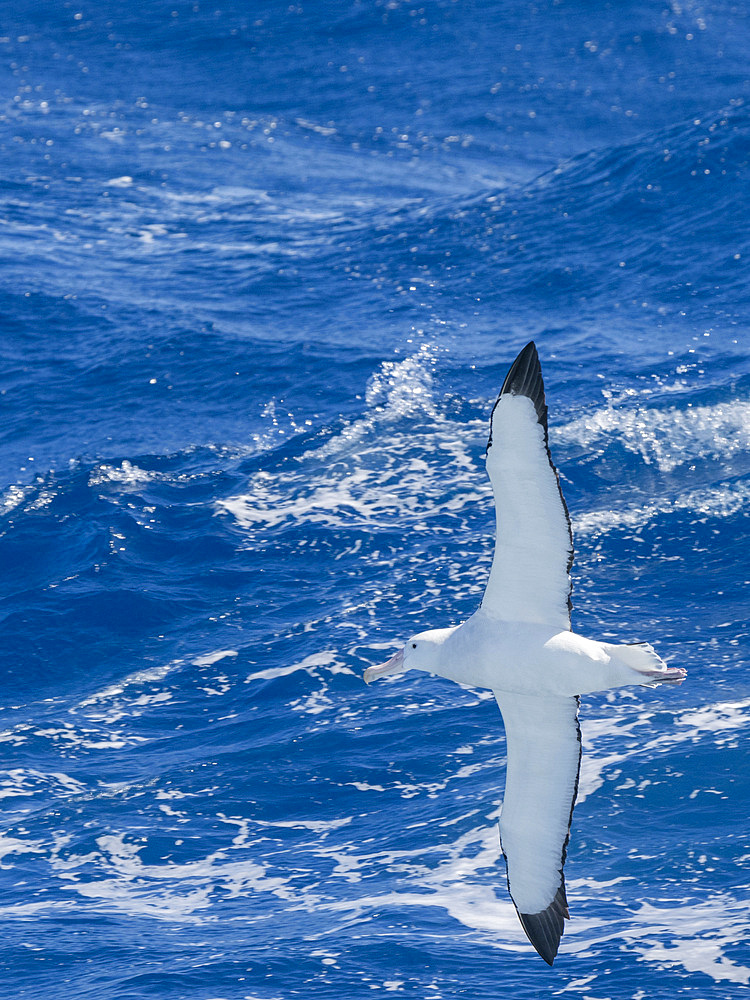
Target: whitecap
pixel 721 501
pixel 324 658
pixel 209 659
pixel 114 702
pixel 630 735
pixel 13 497
pixel 693 935
pixel 172 891
pixel 126 474
pixel 375 470
pixel 24 782
pixel 668 438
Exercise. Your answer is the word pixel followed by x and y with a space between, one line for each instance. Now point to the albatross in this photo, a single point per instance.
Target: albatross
pixel 521 645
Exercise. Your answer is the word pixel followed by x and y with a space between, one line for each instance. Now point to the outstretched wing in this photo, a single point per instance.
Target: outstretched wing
pixel 530 576
pixel 544 754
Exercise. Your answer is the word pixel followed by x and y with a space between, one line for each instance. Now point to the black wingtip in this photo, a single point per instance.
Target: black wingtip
pixel 544 929
pixel 524 378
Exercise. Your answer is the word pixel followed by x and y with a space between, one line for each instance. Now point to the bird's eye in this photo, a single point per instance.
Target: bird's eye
pixel 414 645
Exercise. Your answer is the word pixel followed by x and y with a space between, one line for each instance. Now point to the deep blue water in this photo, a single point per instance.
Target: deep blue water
pixel 264 267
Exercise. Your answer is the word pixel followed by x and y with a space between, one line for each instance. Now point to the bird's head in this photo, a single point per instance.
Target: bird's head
pixel 421 652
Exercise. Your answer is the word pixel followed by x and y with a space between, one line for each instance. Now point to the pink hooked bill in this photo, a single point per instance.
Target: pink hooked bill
pixel 393 666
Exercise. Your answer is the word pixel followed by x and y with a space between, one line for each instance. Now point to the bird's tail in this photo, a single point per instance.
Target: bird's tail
pixel 642 658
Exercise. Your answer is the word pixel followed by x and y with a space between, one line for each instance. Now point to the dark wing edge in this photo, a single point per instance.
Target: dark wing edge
pixel 545 929
pixel 524 378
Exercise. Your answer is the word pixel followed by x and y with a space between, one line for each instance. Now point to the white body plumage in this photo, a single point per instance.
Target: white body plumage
pixel 527 658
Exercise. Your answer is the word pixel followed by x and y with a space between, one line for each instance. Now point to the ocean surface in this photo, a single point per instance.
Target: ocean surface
pixel 264 267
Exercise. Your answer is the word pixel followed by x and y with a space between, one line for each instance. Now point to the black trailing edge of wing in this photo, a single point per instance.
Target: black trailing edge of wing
pixel 544 929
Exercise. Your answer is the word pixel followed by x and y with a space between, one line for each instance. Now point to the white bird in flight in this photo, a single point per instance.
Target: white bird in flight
pixel 520 645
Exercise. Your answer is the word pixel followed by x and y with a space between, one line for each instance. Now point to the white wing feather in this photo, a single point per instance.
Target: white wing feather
pixel 544 752
pixel 530 576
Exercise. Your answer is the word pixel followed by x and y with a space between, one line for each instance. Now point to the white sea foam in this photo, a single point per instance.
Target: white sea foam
pixel 176 892
pixel 125 474
pixel 633 737
pixel 325 658
pixel 378 468
pixel 13 497
pixel 10 846
pixel 69 738
pixel 23 782
pixel 448 884
pixel 316 825
pixel 667 437
pixel 710 502
pixel 366 494
pixel 694 936
pixel 448 875
pixel 210 658
pixel 691 935
pixel 374 471
pixel 111 703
